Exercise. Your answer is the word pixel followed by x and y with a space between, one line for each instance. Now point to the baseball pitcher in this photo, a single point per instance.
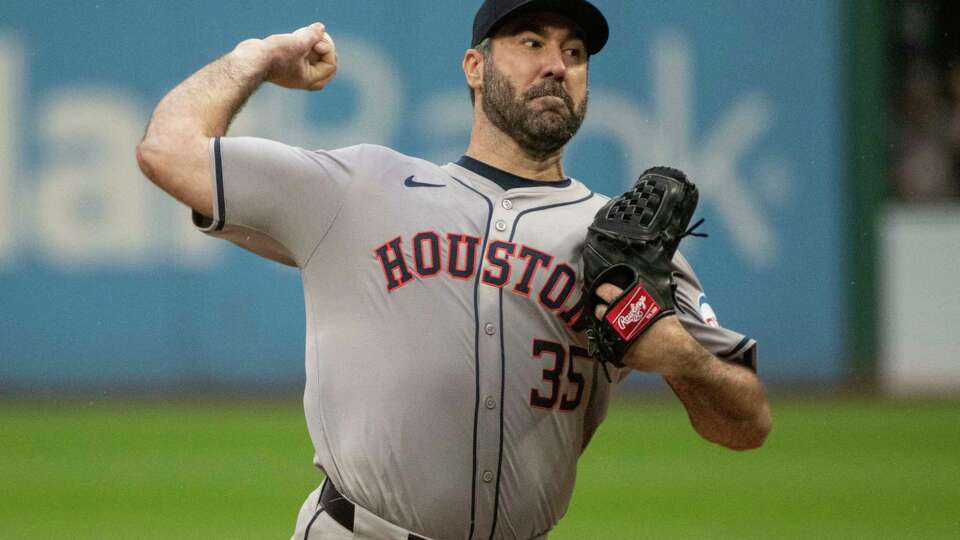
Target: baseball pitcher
pixel 465 322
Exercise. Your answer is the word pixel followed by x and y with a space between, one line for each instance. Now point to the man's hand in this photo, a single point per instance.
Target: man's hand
pixel 305 59
pixel 725 402
pixel 656 350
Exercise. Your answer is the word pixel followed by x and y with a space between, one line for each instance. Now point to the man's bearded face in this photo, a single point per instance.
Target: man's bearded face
pixel 539 129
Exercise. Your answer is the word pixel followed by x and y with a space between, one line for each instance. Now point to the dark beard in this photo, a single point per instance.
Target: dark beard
pixel 538 133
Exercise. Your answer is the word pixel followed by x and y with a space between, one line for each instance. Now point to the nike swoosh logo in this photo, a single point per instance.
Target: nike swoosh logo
pixel 410 182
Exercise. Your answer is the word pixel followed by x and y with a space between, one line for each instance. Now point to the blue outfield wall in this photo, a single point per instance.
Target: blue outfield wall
pixel 104 283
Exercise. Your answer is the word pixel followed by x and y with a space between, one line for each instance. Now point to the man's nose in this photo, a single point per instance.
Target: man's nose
pixel 553 65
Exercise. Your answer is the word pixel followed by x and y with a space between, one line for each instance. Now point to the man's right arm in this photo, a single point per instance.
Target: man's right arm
pixel 174 153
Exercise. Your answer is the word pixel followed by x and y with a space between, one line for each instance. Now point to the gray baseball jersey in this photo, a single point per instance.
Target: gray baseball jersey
pixel 448 388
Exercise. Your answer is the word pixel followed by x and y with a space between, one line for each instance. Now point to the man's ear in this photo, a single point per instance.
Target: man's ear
pixel 473 68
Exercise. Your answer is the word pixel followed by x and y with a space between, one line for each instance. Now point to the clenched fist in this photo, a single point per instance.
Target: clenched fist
pixel 305 59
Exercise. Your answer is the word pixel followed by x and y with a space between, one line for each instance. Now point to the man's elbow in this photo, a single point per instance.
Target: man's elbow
pixel 165 150
pixel 153 157
pixel 743 435
pixel 750 435
pixel 751 438
pixel 177 161
pixel 146 159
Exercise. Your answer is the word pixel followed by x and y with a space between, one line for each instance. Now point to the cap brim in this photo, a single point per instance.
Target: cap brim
pixel 583 13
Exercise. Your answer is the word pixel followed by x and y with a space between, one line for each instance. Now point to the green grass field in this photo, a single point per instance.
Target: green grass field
pixel 852 468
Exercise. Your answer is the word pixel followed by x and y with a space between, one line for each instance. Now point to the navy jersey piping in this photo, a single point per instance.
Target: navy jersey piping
pixel 476 361
pixel 590 402
pixel 503 354
pixel 221 205
pixel 306 533
pixel 744 354
pixel 736 349
pixel 506 180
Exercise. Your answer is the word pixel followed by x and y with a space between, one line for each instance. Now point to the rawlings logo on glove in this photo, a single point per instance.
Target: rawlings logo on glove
pixel 638 316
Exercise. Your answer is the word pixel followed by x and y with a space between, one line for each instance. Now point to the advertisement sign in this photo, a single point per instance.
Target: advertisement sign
pixel 105 283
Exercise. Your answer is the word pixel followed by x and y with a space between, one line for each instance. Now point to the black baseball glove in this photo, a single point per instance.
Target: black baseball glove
pixel 631 244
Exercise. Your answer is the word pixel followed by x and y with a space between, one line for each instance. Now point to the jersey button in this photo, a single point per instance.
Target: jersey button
pixel 501 225
pixel 507 203
pixel 490 402
pixel 488 476
pixel 490 329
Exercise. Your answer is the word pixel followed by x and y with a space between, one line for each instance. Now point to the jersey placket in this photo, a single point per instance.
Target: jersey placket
pixel 491 372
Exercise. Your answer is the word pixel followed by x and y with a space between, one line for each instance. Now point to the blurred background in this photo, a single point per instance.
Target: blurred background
pixel 150 376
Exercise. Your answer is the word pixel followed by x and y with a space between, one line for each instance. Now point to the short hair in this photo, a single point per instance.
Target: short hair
pixel 484 49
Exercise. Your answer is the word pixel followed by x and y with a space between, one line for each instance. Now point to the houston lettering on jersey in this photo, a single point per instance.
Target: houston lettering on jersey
pixel 500 261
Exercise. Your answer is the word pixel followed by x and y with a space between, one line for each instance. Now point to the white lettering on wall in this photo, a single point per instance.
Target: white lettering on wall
pixel 714 158
pixel 90 203
pixel 447 118
pixel 12 80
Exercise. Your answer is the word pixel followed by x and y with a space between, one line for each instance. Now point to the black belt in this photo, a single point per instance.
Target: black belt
pixel 342 510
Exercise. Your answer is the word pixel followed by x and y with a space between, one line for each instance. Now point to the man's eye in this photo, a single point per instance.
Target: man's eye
pixel 575 53
pixel 532 43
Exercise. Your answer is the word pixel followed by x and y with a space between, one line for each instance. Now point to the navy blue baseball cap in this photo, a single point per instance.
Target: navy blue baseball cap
pixel 493 13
